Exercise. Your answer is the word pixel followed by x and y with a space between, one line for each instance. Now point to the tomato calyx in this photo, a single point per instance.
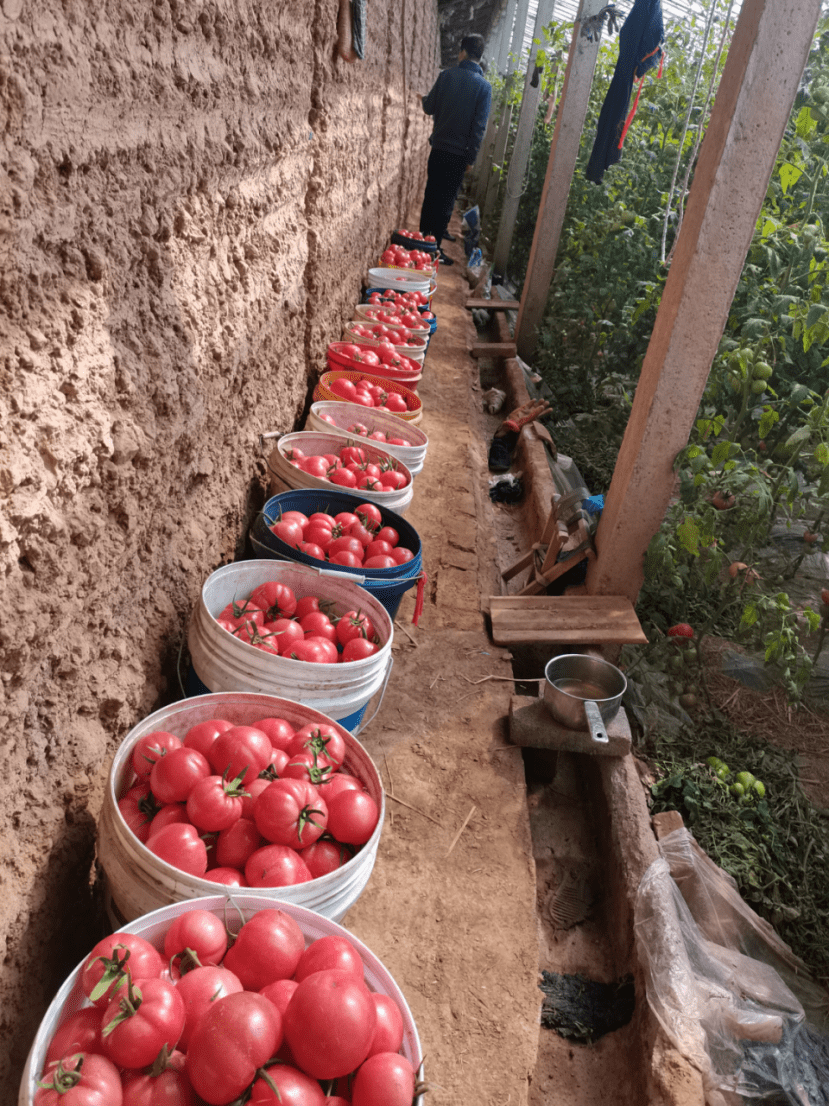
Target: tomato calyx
pixel 64 1079
pixel 305 818
pixel 128 1006
pixel 114 971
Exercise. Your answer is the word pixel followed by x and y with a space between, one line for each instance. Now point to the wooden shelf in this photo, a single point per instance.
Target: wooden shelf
pixel 565 619
pixel 480 304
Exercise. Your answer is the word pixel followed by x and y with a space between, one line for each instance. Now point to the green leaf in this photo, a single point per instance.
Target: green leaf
pixel 688 533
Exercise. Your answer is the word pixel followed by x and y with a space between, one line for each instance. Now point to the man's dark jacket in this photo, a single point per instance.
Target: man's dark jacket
pixel 460 104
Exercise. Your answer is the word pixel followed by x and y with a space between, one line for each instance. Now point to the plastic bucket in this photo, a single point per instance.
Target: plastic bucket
pixel 221 662
pixel 416 353
pixel 408 243
pixel 407 280
pixel 345 416
pixel 153 927
pixel 284 476
pixel 387 585
pixel 138 881
pixel 414 408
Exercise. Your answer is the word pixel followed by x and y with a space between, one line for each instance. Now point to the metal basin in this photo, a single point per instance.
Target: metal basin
pixel 583 692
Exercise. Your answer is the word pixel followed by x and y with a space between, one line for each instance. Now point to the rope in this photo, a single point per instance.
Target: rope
pixel 681 206
pixel 670 201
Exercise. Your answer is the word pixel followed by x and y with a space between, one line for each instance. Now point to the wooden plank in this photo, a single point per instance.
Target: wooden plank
pixel 482 304
pixel 493 349
pixel 559 619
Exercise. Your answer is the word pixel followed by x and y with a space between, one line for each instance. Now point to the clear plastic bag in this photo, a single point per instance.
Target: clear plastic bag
pixel 728 992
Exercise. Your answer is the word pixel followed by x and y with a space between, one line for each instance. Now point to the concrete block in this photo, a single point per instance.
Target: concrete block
pixel 531 725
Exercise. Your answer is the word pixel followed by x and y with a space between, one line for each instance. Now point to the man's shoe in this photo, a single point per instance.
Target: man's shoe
pixel 443 259
pixel 450 237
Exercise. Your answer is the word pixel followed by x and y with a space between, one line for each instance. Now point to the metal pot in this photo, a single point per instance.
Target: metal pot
pixel 583 692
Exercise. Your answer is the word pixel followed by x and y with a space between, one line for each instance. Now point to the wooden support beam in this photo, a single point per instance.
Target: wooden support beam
pixel 570 119
pixel 565 620
pixel 482 304
pixel 493 349
pixel 760 79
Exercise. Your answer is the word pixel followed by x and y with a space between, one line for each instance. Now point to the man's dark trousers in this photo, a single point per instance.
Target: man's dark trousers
pixel 445 173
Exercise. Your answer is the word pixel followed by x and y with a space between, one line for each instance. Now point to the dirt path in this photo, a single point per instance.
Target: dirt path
pixel 453 917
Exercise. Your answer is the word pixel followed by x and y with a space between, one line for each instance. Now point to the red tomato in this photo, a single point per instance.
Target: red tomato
pixel 317 623
pixel 388 1025
pixel 340 781
pixel 243 749
pixel 169 815
pixel 279 731
pixel 279 992
pixel 240 613
pixel 276 866
pixel 80 1032
pixel 395 403
pixel 99 1083
pixel 355 624
pixel 199 990
pixel 378 549
pixel 283 628
pixel 138 1024
pixel 306 605
pixel 276 599
pixel 173 777
pixel 150 748
pixel 267 947
pixel 290 812
pixel 342 386
pixel 317 533
pixel 237 1035
pixel 329 1024
pixel 369 514
pixel 344 520
pixel 358 649
pixel 393 480
pixel 203 734
pixel 303 766
pixel 327 953
pixel 352 453
pixel 363 534
pixel 113 957
pixel 352 817
pixel 293 1088
pixel 317 467
pixel 342 478
pixel 401 555
pixel 170 1087
pixel 138 810
pixel 351 560
pixel 312 649
pixel 379 562
pixel 385 1079
pixel 324 741
pixel 289 532
pixel 226 877
pixel 349 544
pixel 181 846
pixel 214 804
pixel 235 844
pixel 199 933
pixel 325 856
pixel 294 516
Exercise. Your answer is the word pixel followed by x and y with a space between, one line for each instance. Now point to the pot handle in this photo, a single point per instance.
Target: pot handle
pixel 596 725
pixel 366 721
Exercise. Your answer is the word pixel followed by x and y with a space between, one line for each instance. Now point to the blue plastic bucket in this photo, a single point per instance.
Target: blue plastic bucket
pixel 387 585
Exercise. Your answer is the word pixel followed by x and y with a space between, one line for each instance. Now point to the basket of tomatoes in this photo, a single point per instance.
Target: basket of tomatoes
pixel 226 999
pixel 369 390
pixel 244 790
pixel 407 444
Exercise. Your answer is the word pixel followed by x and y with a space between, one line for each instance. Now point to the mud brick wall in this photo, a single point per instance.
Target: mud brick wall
pixel 190 194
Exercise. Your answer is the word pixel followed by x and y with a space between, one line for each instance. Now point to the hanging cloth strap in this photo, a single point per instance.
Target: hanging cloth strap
pixel 633 111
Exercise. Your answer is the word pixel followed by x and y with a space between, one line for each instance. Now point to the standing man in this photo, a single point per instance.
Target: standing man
pixel 460 105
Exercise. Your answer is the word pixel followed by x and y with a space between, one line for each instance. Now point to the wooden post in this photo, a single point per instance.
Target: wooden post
pixel 756 94
pixel 521 148
pixel 570 118
pixel 506 37
pixel 492 173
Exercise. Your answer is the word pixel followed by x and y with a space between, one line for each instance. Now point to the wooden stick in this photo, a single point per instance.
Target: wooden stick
pixel 429 817
pixel 401 626
pixel 507 679
pixel 463 827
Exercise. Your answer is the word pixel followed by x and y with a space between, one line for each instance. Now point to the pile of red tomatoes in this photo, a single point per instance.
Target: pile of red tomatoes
pixel 367 393
pixel 355 539
pixel 351 468
pixel 362 431
pixel 410 299
pixel 263 1020
pixel 416 236
pixel 248 806
pixel 274 620
pixel 399 257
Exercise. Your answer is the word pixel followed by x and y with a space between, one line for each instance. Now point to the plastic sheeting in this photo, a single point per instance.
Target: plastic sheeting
pixel 728 992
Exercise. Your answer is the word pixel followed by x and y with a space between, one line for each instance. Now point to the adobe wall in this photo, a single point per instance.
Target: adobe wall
pixel 190 194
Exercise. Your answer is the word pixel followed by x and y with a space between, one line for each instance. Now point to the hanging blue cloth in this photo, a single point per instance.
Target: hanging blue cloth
pixel 641 39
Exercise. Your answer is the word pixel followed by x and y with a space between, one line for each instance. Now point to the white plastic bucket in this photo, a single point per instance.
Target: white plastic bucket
pixel 153 928
pixel 416 353
pixel 285 477
pixel 138 881
pixel 406 280
pixel 345 415
pixel 221 662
